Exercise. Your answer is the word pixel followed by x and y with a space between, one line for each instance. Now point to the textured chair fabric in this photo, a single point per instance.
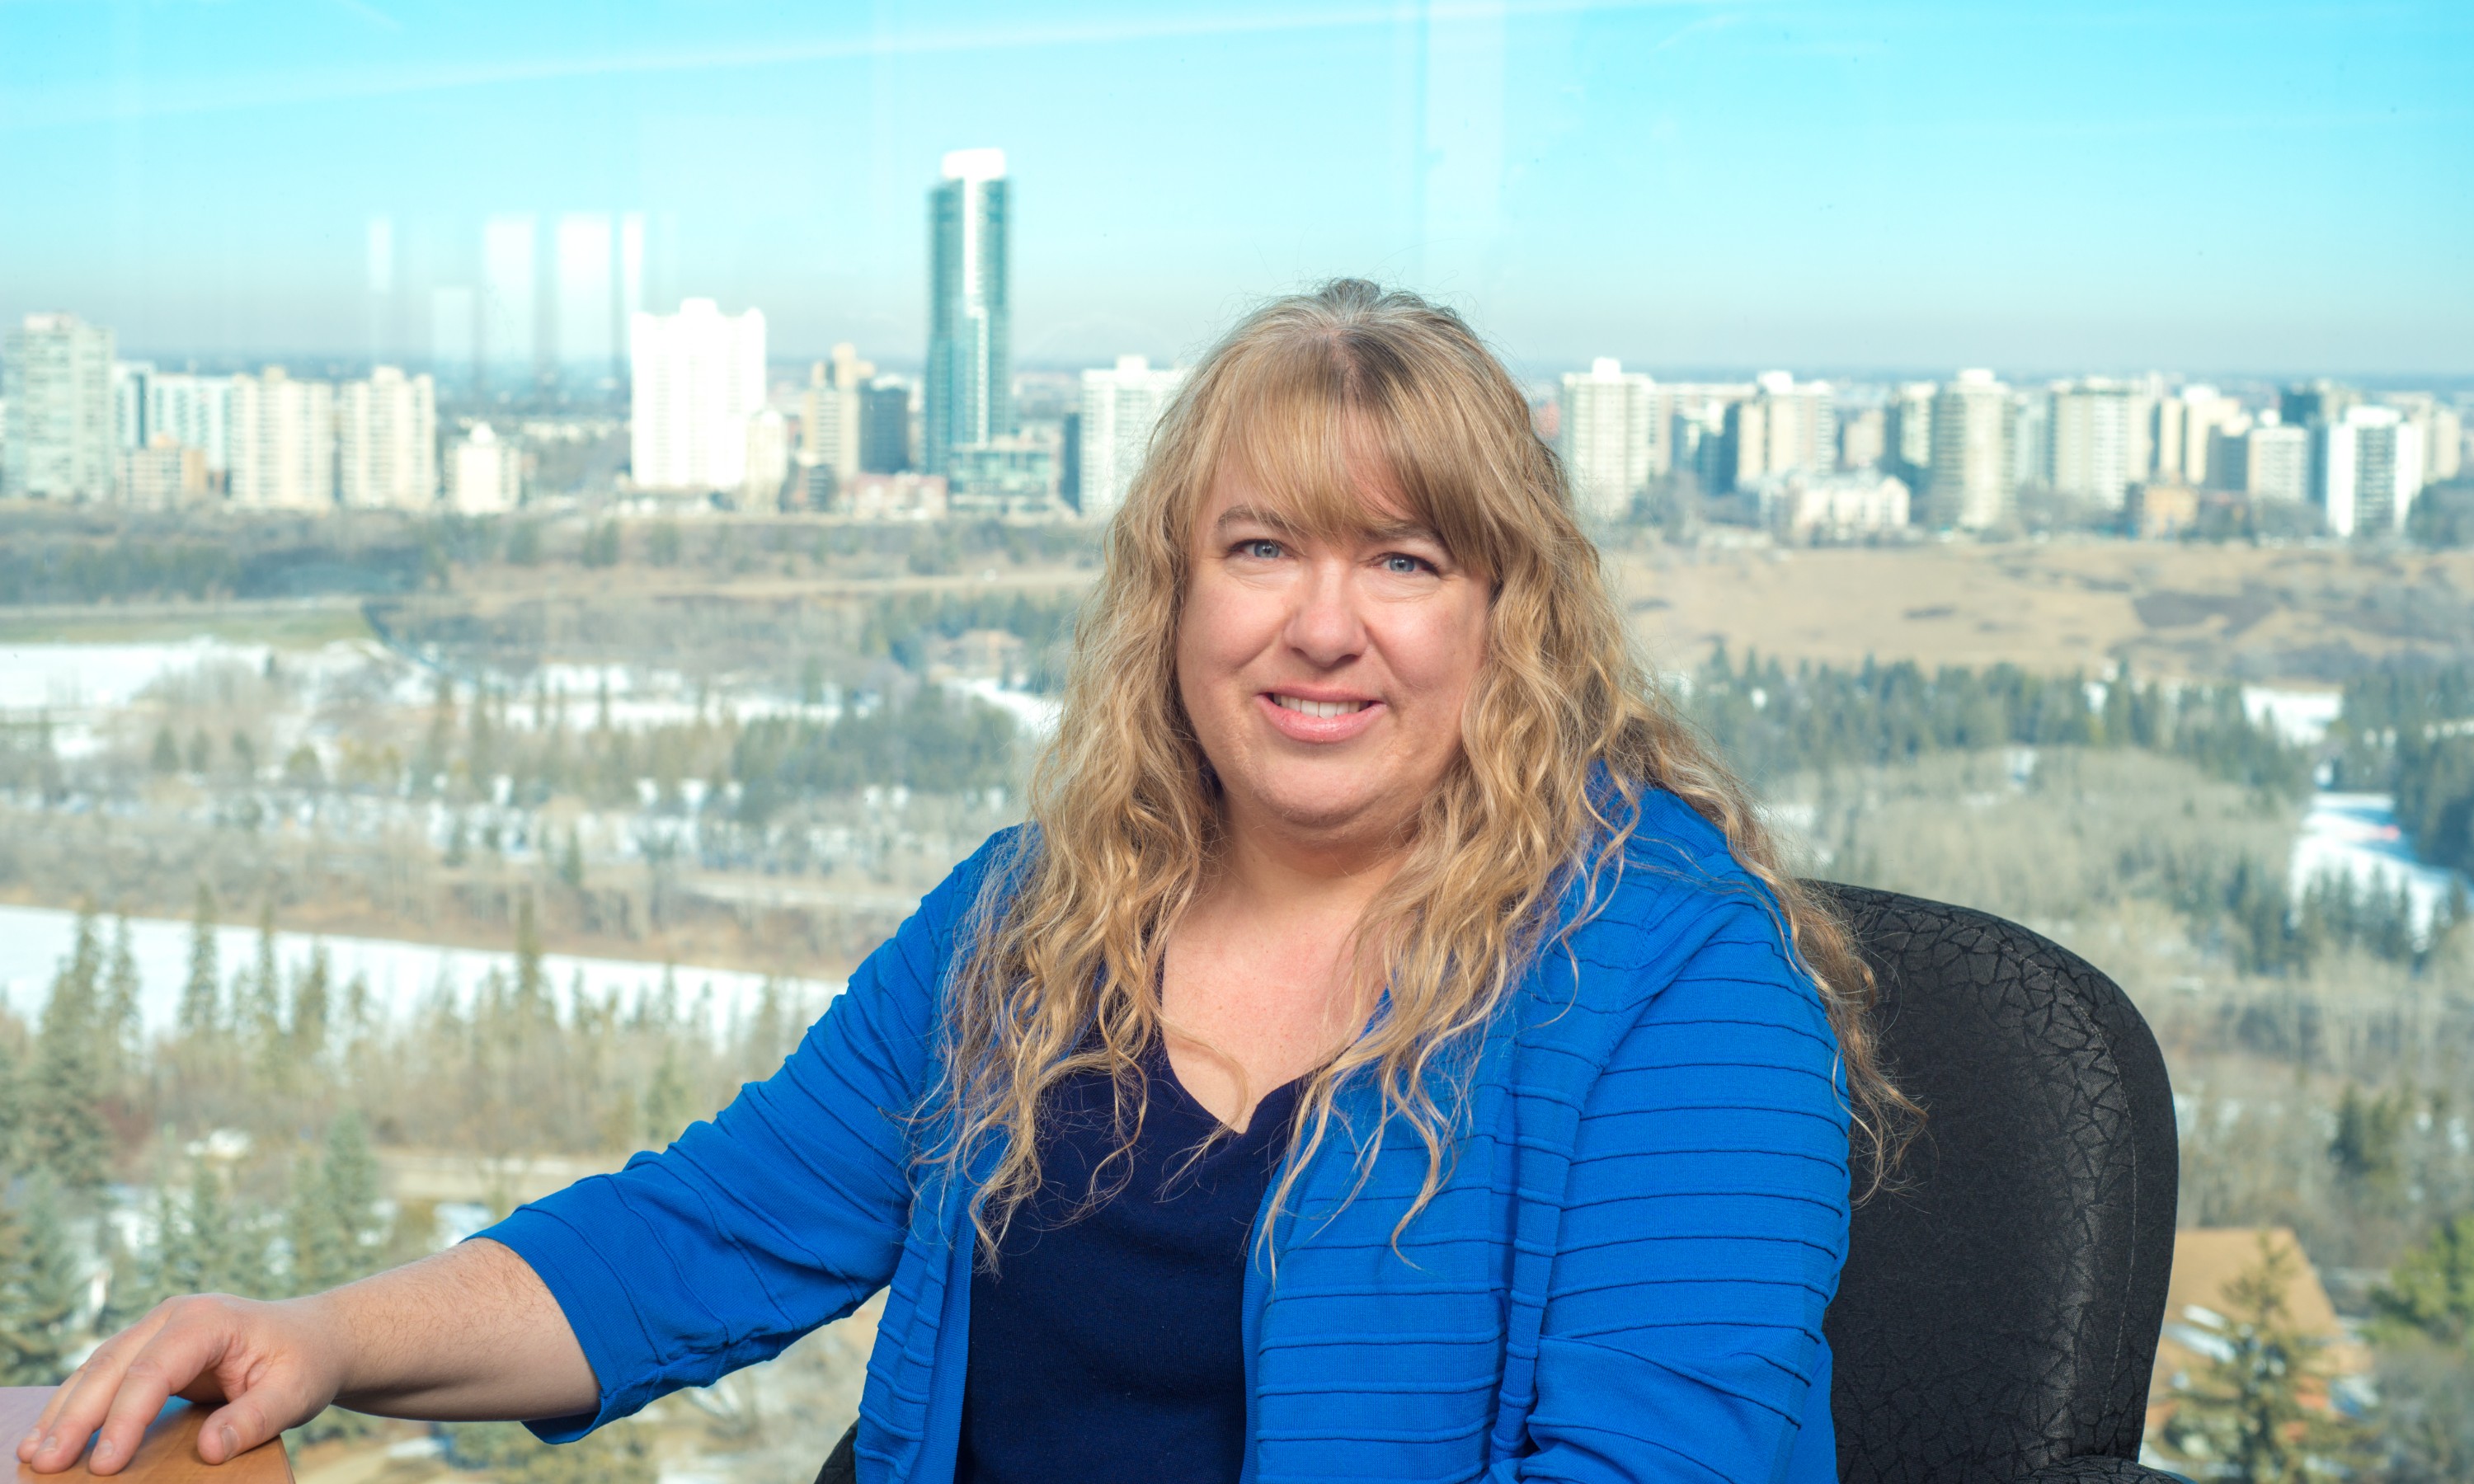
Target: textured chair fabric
pixel 1996 1320
pixel 1999 1312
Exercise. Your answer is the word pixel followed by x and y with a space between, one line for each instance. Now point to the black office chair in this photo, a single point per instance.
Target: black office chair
pixel 1997 1319
pixel 1998 1316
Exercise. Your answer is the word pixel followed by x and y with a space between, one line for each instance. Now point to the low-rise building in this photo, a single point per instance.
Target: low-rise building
pixel 2159 509
pixel 1817 509
pixel 1012 475
pixel 164 474
pixel 903 497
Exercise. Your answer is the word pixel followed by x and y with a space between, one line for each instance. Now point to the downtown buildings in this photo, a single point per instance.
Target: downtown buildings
pixel 1976 453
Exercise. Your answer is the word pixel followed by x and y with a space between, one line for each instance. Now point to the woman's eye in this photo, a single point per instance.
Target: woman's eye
pixel 1401 564
pixel 1261 550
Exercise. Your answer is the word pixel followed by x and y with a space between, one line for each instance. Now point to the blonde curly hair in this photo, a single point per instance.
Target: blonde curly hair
pixel 1061 958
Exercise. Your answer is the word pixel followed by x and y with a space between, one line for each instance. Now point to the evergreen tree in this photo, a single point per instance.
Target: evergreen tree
pixel 122 1041
pixel 666 1102
pixel 2261 1413
pixel 65 1120
pixel 334 1204
pixel 13 1104
pixel 38 1287
pixel 134 1283
pixel 166 756
pixel 209 1247
pixel 258 1006
pixel 2430 1289
pixel 202 996
pixel 2369 1130
pixel 311 1008
pixel 532 989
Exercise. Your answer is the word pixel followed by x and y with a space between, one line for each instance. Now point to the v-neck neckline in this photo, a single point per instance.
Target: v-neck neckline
pixel 1164 1069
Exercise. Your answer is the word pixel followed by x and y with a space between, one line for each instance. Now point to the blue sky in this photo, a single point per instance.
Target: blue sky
pixel 2264 187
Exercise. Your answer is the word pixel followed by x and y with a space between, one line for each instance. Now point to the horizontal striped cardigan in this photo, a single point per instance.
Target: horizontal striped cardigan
pixel 1622 1279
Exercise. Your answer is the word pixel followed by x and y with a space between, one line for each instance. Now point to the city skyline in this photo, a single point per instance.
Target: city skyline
pixel 2225 191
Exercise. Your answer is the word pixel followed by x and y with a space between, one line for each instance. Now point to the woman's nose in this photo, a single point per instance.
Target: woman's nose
pixel 1326 625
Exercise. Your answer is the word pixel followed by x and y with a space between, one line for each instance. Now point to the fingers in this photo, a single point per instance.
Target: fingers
pixel 176 1356
pixel 77 1407
pixel 237 1426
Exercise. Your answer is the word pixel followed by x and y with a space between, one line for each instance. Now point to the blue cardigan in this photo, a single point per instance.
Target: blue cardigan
pixel 1622 1279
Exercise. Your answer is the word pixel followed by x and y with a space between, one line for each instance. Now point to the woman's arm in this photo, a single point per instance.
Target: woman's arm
pixel 786 1211
pixel 1704 1226
pixel 469 1332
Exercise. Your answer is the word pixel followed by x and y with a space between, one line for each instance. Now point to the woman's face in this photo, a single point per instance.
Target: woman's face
pixel 1325 680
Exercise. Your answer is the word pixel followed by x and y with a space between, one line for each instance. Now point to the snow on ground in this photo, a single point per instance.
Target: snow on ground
pixel 2302 717
pixel 2356 837
pixel 34 940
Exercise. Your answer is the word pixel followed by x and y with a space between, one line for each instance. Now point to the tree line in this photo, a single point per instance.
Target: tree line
pixel 1771 720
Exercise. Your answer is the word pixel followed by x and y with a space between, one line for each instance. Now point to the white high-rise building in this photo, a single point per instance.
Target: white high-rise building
pixel 1612 437
pixel 282 443
pixel 56 378
pixel 698 378
pixel 484 475
pixel 195 412
pixel 2099 441
pixel 2442 431
pixel 970 316
pixel 1970 481
pixel 386 441
pixel 2276 461
pixel 1120 408
pixel 832 414
pixel 1784 427
pixel 2370 466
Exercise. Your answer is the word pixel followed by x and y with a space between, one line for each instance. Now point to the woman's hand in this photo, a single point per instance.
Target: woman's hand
pixel 469 1333
pixel 271 1366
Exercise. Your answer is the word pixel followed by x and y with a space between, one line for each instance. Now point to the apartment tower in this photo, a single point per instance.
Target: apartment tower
pixel 57 386
pixel 970 362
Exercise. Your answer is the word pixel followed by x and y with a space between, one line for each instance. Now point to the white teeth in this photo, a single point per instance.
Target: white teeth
pixel 1319 707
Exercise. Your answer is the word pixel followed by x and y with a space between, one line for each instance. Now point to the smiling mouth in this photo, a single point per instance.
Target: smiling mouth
pixel 1319 707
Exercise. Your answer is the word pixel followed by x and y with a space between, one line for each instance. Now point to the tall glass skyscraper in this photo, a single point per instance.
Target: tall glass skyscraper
pixel 970 367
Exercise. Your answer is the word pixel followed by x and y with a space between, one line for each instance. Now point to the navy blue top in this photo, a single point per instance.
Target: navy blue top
pixel 1108 1343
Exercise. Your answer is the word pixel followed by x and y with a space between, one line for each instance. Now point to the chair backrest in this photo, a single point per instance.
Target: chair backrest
pixel 1999 1307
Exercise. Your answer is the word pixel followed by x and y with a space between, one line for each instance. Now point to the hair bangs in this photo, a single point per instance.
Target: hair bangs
pixel 1335 444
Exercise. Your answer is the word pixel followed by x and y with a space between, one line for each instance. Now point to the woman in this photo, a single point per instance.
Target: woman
pixel 1392 1052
